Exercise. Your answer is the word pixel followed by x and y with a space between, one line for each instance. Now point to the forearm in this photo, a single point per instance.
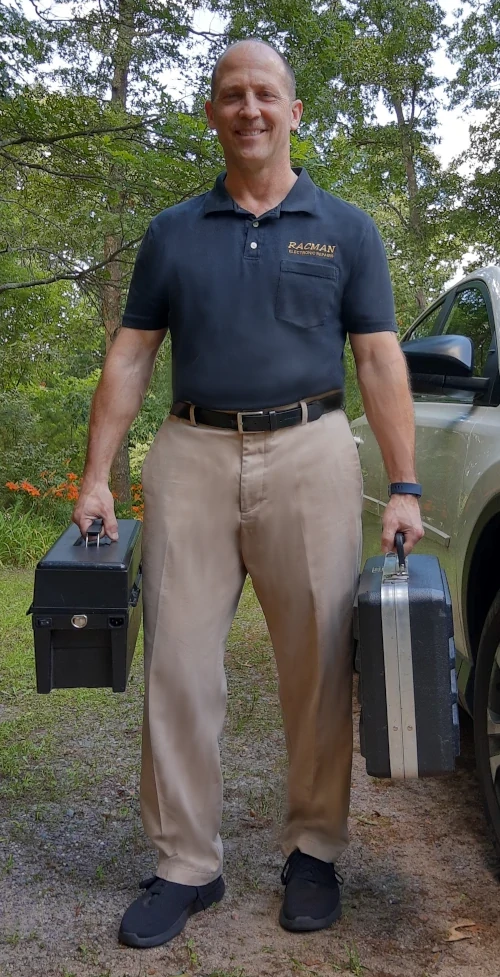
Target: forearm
pixel 116 403
pixel 388 405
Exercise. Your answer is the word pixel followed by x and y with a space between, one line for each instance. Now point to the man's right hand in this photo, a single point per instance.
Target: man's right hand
pixel 96 502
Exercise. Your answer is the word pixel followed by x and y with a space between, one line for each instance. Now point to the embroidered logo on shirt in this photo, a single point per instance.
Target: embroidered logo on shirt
pixel 322 250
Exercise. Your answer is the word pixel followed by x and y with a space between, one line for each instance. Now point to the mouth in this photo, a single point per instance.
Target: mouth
pixel 249 133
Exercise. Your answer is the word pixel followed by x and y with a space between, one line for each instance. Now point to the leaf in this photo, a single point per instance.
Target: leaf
pixel 456 931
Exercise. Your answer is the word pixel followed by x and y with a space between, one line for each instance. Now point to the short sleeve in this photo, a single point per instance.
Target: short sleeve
pixel 147 299
pixel 368 301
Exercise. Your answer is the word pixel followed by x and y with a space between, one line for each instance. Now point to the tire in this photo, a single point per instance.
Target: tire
pixel 487 717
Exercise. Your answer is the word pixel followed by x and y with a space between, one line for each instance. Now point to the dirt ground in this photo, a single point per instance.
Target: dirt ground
pixel 420 870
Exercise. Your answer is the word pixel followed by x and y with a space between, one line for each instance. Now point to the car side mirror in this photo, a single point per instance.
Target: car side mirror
pixel 451 356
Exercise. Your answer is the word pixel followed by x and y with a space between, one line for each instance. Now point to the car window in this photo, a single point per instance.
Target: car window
pixel 427 325
pixel 468 316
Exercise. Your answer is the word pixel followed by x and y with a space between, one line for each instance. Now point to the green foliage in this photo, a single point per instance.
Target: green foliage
pixel 475 43
pixel 353 402
pixel 93 146
pixel 25 537
pixel 43 427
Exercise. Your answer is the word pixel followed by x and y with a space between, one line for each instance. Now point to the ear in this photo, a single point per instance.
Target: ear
pixel 297 110
pixel 209 112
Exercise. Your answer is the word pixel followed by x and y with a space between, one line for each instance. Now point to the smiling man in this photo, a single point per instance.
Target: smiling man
pixel 254 472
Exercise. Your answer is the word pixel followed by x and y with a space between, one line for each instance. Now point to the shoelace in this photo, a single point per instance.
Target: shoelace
pixel 305 867
pixel 153 887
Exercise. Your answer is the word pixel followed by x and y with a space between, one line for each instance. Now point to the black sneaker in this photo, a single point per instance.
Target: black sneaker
pixel 164 909
pixel 312 894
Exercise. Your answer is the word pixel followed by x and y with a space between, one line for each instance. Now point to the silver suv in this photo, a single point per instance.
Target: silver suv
pixel 452 356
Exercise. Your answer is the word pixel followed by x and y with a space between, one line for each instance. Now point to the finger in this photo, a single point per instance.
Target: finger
pixel 412 537
pixel 110 526
pixel 389 537
pixel 84 523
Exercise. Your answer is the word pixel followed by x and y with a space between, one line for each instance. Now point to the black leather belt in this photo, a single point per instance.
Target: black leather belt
pixel 255 421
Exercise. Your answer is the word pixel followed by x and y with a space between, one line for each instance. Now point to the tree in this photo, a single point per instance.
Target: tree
pixel 475 44
pixel 86 165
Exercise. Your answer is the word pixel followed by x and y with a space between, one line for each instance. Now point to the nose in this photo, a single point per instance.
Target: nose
pixel 249 108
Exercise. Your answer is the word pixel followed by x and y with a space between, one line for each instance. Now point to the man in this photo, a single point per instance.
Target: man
pixel 255 471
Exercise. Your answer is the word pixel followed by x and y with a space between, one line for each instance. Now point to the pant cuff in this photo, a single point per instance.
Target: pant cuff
pixel 310 844
pixel 173 870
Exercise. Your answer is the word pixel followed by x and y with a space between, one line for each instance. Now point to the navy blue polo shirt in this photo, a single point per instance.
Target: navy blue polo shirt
pixel 259 308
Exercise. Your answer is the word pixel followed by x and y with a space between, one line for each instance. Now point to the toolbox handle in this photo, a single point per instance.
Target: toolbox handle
pixel 399 541
pixel 93 534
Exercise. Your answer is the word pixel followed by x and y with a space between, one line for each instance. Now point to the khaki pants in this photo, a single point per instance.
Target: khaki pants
pixel 286 508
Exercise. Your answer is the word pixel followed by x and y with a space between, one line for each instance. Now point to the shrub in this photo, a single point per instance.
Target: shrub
pixel 25 537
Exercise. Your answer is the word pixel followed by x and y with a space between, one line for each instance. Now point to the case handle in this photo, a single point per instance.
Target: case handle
pixel 93 535
pixel 399 540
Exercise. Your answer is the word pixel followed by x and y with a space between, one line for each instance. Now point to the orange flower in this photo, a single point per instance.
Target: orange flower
pixel 72 477
pixel 29 488
pixel 72 493
pixel 13 486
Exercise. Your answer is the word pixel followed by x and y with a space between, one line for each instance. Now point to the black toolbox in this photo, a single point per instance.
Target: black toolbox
pixel 409 724
pixel 86 609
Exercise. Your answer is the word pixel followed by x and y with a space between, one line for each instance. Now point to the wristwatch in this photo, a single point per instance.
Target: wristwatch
pixel 405 488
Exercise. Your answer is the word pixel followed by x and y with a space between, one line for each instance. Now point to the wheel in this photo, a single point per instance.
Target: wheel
pixel 487 716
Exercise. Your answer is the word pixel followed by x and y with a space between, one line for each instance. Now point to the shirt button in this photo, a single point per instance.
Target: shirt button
pixel 255 223
pixel 253 245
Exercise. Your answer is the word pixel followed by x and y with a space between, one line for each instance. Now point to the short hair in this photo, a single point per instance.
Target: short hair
pixel 253 40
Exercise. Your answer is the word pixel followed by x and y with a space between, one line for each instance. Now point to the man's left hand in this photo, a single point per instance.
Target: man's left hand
pixel 402 515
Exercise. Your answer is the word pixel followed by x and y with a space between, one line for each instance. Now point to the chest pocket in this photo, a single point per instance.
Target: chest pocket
pixel 306 292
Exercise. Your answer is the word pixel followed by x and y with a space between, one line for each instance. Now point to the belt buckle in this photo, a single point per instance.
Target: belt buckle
pixel 247 413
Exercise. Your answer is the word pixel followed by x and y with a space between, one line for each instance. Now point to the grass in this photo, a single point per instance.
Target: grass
pixel 26 537
pixel 238 972
pixel 51 745
pixel 39 761
pixel 354 964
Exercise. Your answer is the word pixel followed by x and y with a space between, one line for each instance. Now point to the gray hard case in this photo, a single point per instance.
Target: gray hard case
pixel 406 659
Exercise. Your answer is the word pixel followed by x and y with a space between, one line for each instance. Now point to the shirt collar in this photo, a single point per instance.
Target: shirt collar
pixel 301 198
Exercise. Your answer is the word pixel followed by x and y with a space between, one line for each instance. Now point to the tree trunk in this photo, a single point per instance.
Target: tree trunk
pixel 111 288
pixel 417 235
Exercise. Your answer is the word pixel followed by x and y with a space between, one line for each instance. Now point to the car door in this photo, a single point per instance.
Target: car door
pixel 444 423
pixel 374 474
pixel 443 428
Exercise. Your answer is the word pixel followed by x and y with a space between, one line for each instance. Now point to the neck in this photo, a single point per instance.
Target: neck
pixel 261 190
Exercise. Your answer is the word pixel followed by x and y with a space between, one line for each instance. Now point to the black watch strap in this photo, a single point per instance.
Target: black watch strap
pixel 405 488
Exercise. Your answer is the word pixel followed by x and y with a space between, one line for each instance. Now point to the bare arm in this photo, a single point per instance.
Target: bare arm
pixel 383 381
pixel 116 402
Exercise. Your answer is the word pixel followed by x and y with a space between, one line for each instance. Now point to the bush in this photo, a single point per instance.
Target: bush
pixel 25 537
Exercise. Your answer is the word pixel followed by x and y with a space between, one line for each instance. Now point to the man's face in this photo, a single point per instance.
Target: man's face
pixel 253 111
